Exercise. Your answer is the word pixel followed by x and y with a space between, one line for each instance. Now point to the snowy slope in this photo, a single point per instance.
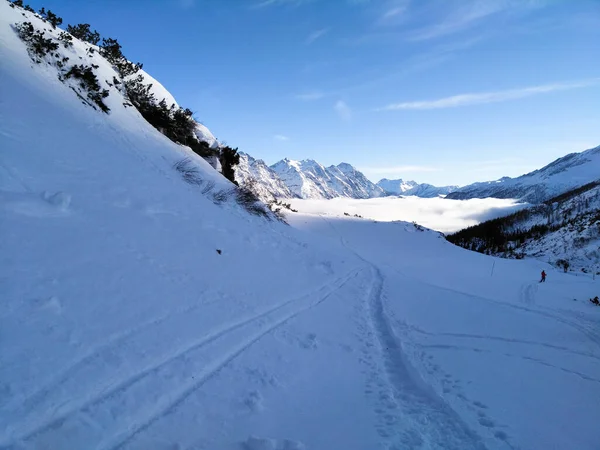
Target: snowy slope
pixel 568 172
pixel 463 350
pixel 123 327
pixel 261 179
pixel 309 179
pixel 160 92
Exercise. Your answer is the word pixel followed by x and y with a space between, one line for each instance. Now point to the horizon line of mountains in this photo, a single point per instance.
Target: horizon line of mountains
pixel 307 179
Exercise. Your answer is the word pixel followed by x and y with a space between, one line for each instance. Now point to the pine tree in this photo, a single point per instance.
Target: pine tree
pixel 111 50
pixel 82 31
pixel 229 158
pixel 50 17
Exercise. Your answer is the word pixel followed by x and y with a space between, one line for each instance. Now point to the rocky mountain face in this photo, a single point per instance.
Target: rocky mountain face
pixel 568 172
pixel 261 179
pixel 309 179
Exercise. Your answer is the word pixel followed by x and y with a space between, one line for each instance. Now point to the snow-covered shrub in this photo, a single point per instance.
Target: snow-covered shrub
pixel 66 39
pixel 37 44
pixel 563 264
pixel 418 227
pixel 202 149
pixel 82 31
pixel 210 185
pixel 250 202
pixel 88 81
pixel 110 49
pixel 189 172
pixel 221 196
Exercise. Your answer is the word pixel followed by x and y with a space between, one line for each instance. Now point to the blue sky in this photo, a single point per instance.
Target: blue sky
pixel 440 91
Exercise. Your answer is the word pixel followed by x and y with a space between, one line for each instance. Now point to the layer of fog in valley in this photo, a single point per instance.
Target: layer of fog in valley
pixel 438 214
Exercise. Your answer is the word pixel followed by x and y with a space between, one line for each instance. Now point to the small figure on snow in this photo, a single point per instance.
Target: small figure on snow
pixel 595 301
pixel 543 280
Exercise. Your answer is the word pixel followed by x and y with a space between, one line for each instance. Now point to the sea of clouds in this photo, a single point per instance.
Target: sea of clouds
pixel 438 214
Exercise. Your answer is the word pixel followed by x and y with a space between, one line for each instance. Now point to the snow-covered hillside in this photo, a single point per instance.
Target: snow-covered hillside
pixel 408 188
pixel 565 228
pixel 160 92
pixel 568 172
pixel 309 179
pixel 143 308
pixel 261 179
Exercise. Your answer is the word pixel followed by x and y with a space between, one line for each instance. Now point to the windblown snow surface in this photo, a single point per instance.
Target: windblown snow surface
pixel 121 326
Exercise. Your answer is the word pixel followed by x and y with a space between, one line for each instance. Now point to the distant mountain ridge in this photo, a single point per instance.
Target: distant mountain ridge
pixel 561 175
pixel 309 179
pixel 424 190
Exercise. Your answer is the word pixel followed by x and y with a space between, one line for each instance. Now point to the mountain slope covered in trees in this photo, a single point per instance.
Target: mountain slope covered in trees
pixel 564 231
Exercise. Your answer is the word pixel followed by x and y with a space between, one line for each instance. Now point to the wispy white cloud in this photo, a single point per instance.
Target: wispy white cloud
pixel 491 97
pixel 343 110
pixel 281 137
pixel 312 37
pixel 471 13
pixel 187 4
pixel 265 3
pixel 392 11
pixel 310 96
pixel 399 170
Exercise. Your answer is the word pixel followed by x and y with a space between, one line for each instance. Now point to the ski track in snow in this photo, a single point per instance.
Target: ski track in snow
pixel 169 400
pixel 32 400
pixel 581 324
pixel 436 424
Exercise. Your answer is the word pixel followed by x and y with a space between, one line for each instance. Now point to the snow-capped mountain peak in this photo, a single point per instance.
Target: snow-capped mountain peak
pixel 261 179
pixel 561 175
pixel 309 179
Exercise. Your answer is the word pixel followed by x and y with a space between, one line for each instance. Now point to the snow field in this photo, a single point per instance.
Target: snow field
pixel 121 326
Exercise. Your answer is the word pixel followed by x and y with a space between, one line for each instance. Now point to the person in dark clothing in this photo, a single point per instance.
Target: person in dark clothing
pixel 543 280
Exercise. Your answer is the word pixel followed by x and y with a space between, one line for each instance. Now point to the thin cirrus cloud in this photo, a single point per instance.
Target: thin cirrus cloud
pixel 399 169
pixel 394 10
pixel 265 3
pixel 490 97
pixel 310 96
pixel 187 4
pixel 471 13
pixel 281 138
pixel 312 37
pixel 343 110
